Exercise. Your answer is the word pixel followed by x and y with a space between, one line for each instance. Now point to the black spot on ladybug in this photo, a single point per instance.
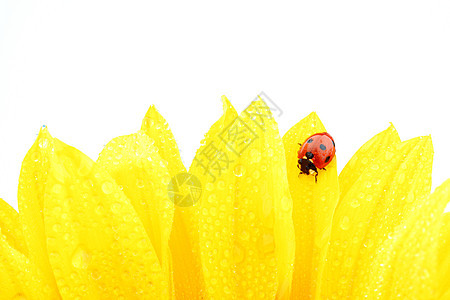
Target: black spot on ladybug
pixel 309 141
pixel 322 146
pixel 309 155
pixel 327 159
pixel 333 143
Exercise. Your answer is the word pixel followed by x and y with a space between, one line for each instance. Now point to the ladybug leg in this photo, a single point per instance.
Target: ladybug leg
pixel 298 166
pixel 315 177
pixel 324 169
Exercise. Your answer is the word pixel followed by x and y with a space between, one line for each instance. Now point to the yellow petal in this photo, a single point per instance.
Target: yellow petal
pixel 244 216
pixel 363 158
pixel 407 261
pixel 137 168
pixel 11 227
pixel 313 208
pixel 383 195
pixel 97 245
pixel 20 278
pixel 156 127
pixel 32 183
pixel 443 259
pixel 187 273
pixel 200 236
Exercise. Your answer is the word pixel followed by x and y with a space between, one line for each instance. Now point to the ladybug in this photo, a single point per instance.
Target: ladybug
pixel 316 153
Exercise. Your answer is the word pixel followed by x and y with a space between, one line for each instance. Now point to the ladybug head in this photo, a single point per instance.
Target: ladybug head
pixel 309 155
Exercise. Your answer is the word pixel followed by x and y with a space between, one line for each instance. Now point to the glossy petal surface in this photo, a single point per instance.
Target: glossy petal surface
pixel 443 259
pixel 366 155
pixel 135 165
pixel 378 201
pixel 244 216
pixel 32 187
pixel 187 272
pixel 313 206
pixel 20 278
pixel 241 224
pixel 97 245
pixel 11 227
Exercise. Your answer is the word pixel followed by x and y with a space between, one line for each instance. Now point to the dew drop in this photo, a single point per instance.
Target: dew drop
pixel 354 203
pixel 238 254
pixel 227 290
pixel 19 296
pixel 57 188
pixel 245 235
pixel 140 183
pixel 80 258
pixel 107 187
pixel 115 207
pixel 209 186
pixel 224 262
pixel 343 280
pixel 410 198
pixel 239 170
pixel 368 243
pixel 221 185
pixel 401 178
pixel 255 156
pixel 266 243
pixel 286 203
pixel 35 156
pixel 57 227
pixel 43 143
pixel 213 211
pixel 388 155
pixel 345 223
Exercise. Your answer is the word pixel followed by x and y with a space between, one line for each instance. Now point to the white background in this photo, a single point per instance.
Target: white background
pixel 89 70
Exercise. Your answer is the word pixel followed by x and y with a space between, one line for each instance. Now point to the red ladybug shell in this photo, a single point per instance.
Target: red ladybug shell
pixel 321 145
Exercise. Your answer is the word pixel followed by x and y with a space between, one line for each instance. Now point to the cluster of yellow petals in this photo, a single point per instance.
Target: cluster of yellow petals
pixel 110 229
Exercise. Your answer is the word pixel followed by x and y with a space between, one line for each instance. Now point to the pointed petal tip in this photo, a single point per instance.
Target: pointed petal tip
pixel 153 115
pixel 152 109
pixel 314 119
pixel 391 126
pixel 313 116
pixel 43 128
pixel 43 132
pixel 226 103
pixel 393 131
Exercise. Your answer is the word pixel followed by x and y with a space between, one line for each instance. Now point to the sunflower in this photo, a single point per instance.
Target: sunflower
pixel 240 223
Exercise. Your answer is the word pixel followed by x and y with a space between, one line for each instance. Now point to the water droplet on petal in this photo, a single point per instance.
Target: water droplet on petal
pixel 238 254
pixel 19 296
pixel 255 156
pixel 107 187
pixel 115 207
pixel 388 155
pixel 140 183
pixel 80 258
pixel 239 170
pixel 345 223
pixel 266 243
pixel 354 203
pixel 401 178
pixel 245 235
pixel 57 188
